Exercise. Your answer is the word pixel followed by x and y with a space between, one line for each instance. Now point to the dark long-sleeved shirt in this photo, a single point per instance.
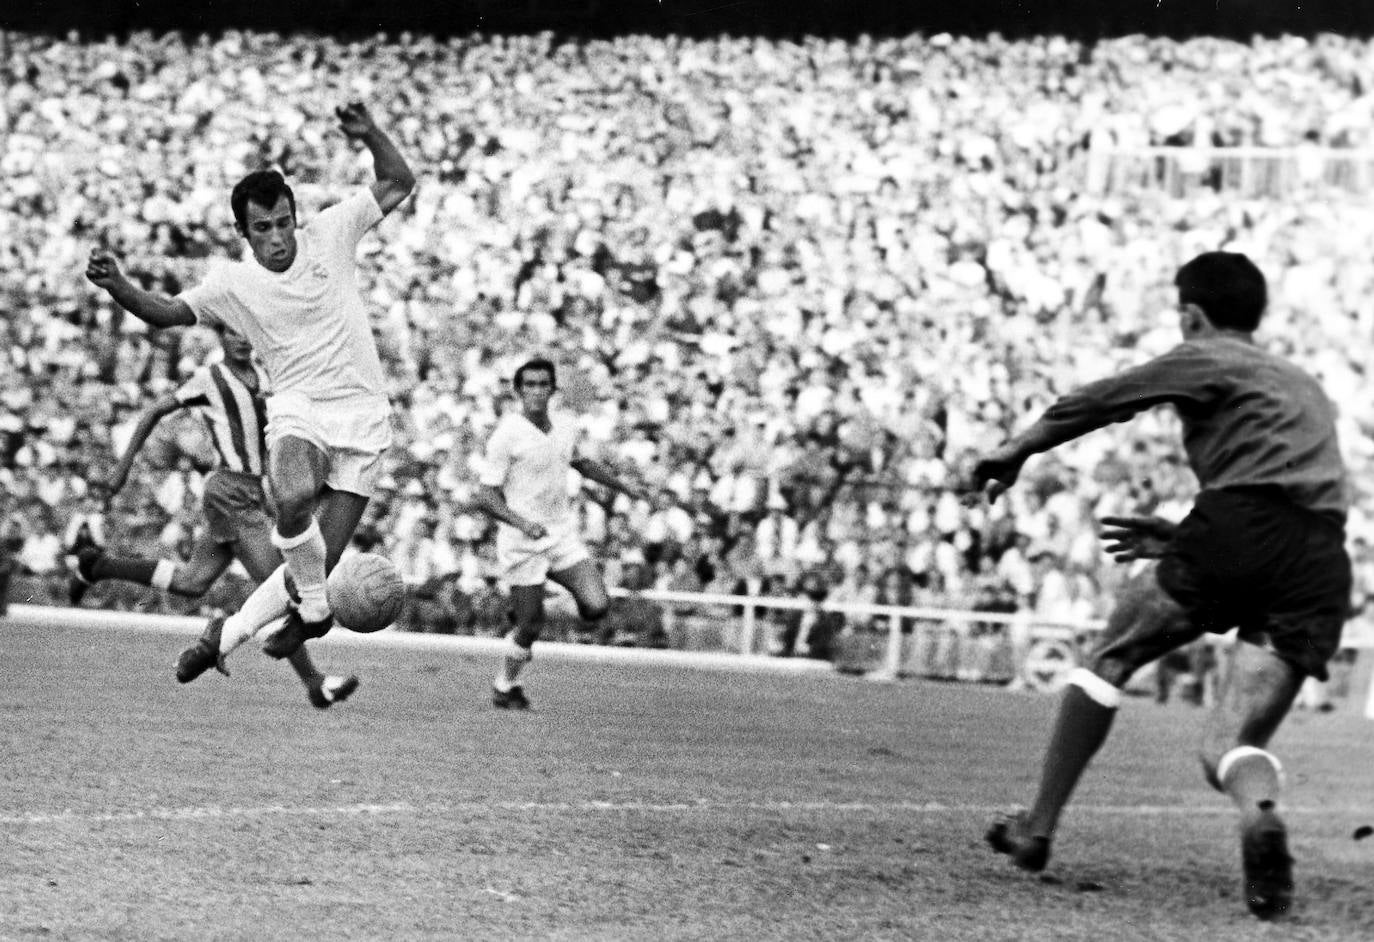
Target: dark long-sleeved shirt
pixel 1249 418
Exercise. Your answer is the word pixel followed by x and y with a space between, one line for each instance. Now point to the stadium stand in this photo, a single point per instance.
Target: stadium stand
pixel 758 260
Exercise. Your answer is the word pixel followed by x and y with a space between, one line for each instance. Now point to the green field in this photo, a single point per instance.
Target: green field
pixel 632 803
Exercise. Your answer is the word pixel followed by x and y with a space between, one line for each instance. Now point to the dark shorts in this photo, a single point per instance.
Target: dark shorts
pixel 1251 560
pixel 235 507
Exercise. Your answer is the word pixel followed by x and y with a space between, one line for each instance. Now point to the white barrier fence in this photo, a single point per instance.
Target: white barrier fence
pixel 1039 652
pixel 1041 649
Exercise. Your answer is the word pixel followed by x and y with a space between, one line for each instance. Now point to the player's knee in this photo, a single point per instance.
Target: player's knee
pixel 295 503
pixel 293 512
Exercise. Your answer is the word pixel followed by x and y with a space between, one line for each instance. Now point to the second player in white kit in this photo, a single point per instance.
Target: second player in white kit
pixel 525 487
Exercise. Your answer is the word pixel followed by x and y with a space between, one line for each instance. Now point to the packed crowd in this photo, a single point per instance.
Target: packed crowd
pixel 800 283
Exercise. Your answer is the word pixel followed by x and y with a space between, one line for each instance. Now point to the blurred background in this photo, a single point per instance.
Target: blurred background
pixel 797 261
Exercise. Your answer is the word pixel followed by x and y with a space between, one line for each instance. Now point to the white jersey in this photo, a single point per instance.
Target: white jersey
pixel 307 324
pixel 531 468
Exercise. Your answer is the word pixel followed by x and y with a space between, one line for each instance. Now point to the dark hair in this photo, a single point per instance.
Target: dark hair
pixel 262 187
pixel 1227 286
pixel 537 365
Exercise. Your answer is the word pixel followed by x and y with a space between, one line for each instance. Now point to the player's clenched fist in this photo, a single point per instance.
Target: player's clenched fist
pixel 102 270
pixel 354 119
pixel 997 471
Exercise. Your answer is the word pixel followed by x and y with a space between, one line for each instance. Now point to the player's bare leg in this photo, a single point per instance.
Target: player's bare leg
pixel 192 578
pixel 1257 690
pixel 298 471
pixel 338 517
pixel 261 560
pixel 587 587
pixel 527 611
pixel 1145 624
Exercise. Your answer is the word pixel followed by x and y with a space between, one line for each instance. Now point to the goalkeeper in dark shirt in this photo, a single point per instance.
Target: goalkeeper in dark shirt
pixel 1262 551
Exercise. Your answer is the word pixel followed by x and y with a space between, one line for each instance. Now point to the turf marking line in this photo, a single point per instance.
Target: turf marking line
pixel 212 813
pixel 46 618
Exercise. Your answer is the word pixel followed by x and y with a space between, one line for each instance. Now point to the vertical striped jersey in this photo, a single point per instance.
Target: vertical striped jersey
pixel 235 415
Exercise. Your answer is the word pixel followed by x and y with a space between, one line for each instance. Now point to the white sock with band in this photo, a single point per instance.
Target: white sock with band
pixel 304 555
pixel 268 602
pixel 1097 689
pixel 1228 761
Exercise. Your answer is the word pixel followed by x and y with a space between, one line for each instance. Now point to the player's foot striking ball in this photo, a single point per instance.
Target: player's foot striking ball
pixel 365 592
pixel 293 633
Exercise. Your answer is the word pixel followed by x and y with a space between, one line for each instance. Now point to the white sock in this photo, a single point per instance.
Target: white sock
pixel 330 686
pixel 269 602
pixel 304 555
pixel 516 658
pixel 163 574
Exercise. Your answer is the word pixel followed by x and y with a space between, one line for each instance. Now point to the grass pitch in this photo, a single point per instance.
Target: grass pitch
pixel 632 803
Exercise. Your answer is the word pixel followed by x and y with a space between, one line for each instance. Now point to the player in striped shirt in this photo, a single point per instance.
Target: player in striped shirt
pixel 1262 551
pixel 228 397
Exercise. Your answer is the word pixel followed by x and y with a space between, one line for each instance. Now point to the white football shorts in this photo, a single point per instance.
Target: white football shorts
pixel 352 432
pixel 526 562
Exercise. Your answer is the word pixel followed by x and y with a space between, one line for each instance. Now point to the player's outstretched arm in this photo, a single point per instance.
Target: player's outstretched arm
pixel 394 177
pixel 492 501
pixel 605 475
pixel 154 309
pixel 160 409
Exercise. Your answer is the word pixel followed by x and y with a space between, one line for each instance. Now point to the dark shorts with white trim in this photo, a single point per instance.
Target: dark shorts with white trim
pixel 235 507
pixel 1250 559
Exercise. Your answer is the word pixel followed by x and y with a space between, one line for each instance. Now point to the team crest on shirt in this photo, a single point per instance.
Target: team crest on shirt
pixel 319 272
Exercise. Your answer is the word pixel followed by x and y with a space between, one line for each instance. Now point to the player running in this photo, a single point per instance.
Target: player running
pixel 1262 550
pixel 295 298
pixel 524 485
pixel 238 525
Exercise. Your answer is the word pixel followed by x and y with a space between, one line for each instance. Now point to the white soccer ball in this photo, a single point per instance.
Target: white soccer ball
pixel 365 592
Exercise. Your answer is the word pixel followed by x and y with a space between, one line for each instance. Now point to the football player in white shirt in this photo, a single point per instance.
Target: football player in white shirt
pixel 524 485
pixel 295 297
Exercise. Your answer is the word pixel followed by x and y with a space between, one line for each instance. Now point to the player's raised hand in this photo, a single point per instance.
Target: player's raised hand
pixel 996 472
pixel 355 120
pixel 102 270
pixel 1132 538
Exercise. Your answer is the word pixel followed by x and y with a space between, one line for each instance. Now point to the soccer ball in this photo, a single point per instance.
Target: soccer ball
pixel 365 592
